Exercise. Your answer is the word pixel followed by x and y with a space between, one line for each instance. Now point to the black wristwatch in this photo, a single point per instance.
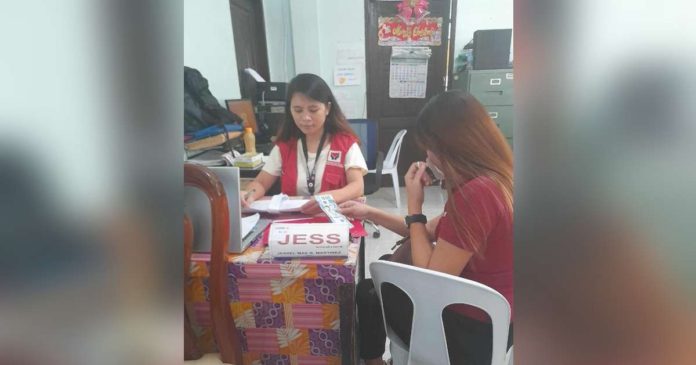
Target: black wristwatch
pixel 415 218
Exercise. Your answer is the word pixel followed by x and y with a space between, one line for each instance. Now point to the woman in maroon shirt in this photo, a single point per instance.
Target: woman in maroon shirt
pixel 473 235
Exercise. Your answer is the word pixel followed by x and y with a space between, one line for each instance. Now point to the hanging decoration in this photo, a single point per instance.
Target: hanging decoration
pixel 409 9
pixel 410 26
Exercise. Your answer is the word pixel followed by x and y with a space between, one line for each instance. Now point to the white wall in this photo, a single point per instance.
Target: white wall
pixel 302 36
pixel 305 34
pixel 279 42
pixel 473 15
pixel 319 29
pixel 209 46
pixel 343 23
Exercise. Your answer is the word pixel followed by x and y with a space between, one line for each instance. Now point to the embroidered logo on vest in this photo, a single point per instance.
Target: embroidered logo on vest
pixel 335 156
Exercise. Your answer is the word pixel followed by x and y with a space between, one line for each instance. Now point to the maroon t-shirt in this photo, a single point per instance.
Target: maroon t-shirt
pixel 480 203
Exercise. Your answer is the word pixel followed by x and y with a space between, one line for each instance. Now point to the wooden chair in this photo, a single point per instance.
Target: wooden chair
pixel 191 351
pixel 225 333
pixel 245 110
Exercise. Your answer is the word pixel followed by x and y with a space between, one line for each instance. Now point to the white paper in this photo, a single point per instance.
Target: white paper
pixel 350 53
pixel 290 205
pixel 248 223
pixel 308 239
pixel 346 75
pixel 254 74
pixel 408 72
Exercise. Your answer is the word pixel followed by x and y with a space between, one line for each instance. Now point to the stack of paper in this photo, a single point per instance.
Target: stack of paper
pixel 280 203
pixel 249 160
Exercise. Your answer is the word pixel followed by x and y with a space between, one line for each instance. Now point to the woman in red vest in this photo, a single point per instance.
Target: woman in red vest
pixel 316 150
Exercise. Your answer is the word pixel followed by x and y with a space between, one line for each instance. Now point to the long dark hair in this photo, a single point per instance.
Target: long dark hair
pixel 457 128
pixel 315 88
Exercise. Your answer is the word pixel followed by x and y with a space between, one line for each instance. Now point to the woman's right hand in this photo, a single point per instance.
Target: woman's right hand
pixel 353 209
pixel 246 198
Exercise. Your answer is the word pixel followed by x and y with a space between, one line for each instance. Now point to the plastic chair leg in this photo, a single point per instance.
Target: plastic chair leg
pixel 395 181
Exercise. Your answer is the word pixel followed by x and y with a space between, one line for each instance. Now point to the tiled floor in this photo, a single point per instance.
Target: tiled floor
pixel 375 247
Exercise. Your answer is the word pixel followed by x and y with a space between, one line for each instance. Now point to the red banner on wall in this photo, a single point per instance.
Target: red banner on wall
pixel 393 31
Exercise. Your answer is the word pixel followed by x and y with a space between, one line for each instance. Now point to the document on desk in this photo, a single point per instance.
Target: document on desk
pixel 280 203
pixel 248 223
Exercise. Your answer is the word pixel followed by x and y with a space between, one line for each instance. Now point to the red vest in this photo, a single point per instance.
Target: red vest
pixel 334 172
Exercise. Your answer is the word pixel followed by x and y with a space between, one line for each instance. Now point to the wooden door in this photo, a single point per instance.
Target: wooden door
pixel 394 114
pixel 249 36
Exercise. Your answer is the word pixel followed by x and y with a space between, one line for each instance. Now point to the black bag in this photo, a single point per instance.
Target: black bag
pixel 201 108
pixel 402 254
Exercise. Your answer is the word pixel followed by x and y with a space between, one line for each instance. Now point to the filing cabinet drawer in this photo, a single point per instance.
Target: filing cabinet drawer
pixel 502 116
pixel 491 87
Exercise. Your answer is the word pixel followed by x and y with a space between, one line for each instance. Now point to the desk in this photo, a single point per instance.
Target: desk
pixel 292 311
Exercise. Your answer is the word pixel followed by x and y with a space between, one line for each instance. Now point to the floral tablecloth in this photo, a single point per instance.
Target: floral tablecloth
pixel 293 311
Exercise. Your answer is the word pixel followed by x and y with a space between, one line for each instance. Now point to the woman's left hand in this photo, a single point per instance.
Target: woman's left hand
pixel 311 207
pixel 416 179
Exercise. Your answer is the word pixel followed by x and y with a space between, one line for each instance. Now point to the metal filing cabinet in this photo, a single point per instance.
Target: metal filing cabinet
pixel 494 89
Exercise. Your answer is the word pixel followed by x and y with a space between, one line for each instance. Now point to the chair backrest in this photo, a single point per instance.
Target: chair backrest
pixel 432 291
pixel 224 330
pixel 392 158
pixel 245 110
pixel 373 183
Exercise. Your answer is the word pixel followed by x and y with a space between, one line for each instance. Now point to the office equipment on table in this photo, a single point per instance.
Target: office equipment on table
pixel 197 207
pixel 271 115
pixel 492 49
pixel 268 100
pixel 494 89
pixel 271 91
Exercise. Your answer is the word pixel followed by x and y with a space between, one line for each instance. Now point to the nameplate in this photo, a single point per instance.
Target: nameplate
pixel 308 239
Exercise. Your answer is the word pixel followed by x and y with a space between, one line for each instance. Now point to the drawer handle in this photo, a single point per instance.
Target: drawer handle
pixel 499 92
pixel 493 115
pixel 495 82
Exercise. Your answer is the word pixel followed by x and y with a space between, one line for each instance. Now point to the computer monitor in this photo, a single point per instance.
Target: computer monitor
pixel 269 92
pixel 197 207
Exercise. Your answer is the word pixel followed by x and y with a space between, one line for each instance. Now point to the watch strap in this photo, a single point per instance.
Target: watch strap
pixel 415 218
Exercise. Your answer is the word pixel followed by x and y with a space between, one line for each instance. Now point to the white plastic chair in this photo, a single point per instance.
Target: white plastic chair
pixel 391 162
pixel 432 291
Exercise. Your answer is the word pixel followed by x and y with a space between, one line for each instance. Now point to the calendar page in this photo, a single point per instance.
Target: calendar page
pixel 408 72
